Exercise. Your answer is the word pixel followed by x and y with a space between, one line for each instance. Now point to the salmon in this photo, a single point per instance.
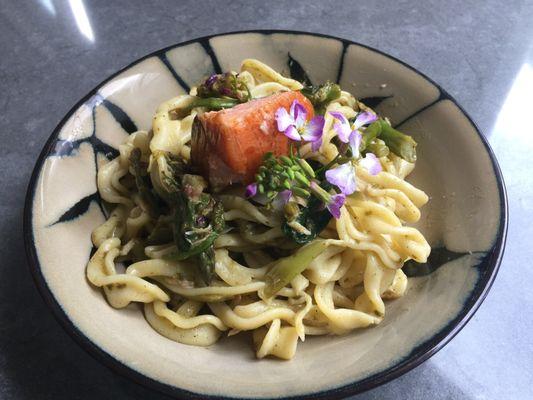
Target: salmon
pixel 228 145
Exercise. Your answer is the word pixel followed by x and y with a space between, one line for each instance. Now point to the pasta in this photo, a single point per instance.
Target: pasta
pixel 338 281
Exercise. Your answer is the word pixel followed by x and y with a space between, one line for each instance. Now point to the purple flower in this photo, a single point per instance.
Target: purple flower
pixel 343 177
pixel 351 134
pixel 363 119
pixel 370 163
pixel 211 80
pixel 281 199
pixel 332 203
pixel 285 195
pixel 251 190
pixel 355 143
pixel 342 126
pixel 335 204
pixel 294 125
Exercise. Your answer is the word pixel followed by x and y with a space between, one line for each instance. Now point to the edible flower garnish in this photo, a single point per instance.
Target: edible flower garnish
pixel 284 180
pixel 371 163
pixel 343 177
pixel 228 85
pixel 251 190
pixel 332 202
pixel 294 125
pixel 285 195
pixel 350 133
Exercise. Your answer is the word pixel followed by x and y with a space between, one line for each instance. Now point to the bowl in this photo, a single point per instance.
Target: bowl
pixel 465 222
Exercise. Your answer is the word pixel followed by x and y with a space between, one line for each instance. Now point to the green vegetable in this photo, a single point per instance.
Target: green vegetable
pixel 400 144
pixel 378 147
pixel 214 103
pixel 148 200
pixel 371 132
pixel 314 217
pixel 286 269
pixel 296 174
pixel 198 218
pixel 211 103
pixel 227 85
pixel 198 222
pixel 284 173
pixel 320 96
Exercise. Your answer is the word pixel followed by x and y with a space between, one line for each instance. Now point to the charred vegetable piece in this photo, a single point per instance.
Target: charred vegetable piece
pixel 320 96
pixel 287 268
pixel 229 85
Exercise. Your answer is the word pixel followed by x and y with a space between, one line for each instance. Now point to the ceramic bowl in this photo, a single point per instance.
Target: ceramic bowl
pixel 465 222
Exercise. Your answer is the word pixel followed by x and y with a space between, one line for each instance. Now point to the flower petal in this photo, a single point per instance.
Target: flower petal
pixel 340 116
pixel 355 143
pixel 285 195
pixel 292 133
pixel 211 80
pixel 261 198
pixel 343 131
pixel 371 163
pixel 251 190
pixel 335 204
pixel 315 146
pixel 280 200
pixel 313 129
pixel 283 119
pixel 363 119
pixel 342 127
pixel 343 177
pixel 298 113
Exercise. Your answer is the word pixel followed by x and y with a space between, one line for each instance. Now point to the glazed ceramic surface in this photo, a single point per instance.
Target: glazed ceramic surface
pixel 465 222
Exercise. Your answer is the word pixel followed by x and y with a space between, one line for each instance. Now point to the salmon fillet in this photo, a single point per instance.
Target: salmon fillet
pixel 228 145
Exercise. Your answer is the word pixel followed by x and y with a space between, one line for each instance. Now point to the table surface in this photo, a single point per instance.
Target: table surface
pixel 54 52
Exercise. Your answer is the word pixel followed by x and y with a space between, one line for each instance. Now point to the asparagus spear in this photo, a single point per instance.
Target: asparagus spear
pixel 211 103
pixel 321 96
pixel 378 148
pixel 399 143
pixel 287 268
pixel 370 133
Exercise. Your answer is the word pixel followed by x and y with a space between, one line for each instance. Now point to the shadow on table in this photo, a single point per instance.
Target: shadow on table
pixel 40 361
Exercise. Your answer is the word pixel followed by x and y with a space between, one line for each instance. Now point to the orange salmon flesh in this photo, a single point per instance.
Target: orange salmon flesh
pixel 228 145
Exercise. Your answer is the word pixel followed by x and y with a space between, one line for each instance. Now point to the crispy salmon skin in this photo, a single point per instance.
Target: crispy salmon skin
pixel 228 145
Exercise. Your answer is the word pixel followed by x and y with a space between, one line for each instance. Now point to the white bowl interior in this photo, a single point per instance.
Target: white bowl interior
pixel 454 168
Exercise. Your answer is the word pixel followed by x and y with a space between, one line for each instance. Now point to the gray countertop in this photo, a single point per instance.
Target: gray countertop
pixel 55 51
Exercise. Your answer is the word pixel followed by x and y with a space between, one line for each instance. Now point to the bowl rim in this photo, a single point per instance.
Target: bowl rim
pixel 418 355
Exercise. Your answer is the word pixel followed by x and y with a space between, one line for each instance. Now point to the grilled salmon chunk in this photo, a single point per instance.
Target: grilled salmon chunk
pixel 228 145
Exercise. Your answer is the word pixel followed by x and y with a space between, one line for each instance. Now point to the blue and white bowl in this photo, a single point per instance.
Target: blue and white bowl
pixel 465 222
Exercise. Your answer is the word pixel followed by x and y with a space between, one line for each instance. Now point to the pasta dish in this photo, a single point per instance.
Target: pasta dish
pixel 259 203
